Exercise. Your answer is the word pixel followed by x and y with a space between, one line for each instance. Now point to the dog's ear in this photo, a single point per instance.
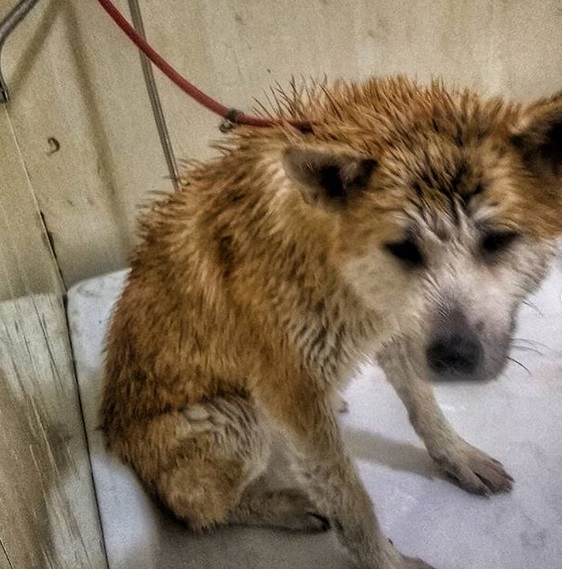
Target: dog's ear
pixel 325 178
pixel 539 138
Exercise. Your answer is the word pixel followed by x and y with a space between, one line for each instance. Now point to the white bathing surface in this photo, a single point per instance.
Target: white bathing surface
pixel 517 419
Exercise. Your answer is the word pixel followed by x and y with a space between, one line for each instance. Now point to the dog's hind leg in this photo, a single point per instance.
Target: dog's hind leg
pixel 473 469
pixel 205 463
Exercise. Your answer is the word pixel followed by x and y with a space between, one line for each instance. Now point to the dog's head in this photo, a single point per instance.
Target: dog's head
pixel 446 211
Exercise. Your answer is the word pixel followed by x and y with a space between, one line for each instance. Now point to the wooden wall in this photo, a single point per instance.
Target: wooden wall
pixel 79 152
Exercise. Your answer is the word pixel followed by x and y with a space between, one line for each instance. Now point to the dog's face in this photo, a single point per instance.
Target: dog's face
pixel 447 225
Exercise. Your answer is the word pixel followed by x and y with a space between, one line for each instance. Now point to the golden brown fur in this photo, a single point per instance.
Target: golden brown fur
pixel 259 287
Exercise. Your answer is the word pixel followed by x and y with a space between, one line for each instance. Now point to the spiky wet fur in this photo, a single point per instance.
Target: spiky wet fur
pixel 252 298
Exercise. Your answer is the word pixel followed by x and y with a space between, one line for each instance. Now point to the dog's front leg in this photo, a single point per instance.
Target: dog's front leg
pixel 474 470
pixel 303 412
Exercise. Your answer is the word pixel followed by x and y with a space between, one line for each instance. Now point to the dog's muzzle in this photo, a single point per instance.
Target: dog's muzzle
pixel 455 351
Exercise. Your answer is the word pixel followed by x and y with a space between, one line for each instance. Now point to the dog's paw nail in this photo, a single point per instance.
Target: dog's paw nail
pixel 475 471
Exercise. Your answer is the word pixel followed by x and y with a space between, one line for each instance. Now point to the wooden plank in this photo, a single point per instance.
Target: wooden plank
pixel 48 515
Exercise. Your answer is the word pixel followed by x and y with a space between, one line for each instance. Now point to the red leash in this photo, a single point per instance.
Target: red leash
pixel 232 116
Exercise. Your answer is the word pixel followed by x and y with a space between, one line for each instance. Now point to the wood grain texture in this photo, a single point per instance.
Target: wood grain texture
pixel 48 514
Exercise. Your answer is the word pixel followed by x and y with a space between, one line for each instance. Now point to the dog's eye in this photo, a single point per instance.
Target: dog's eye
pixel 497 241
pixel 406 251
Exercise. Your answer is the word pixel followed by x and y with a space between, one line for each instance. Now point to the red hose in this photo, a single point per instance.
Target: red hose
pixel 234 116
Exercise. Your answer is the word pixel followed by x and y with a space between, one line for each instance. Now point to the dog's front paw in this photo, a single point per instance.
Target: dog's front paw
pixel 474 470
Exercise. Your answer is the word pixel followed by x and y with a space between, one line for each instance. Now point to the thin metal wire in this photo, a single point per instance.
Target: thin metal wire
pixel 7 25
pixel 152 89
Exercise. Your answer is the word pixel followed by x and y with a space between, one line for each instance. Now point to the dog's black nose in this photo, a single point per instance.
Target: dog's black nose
pixel 455 350
pixel 455 355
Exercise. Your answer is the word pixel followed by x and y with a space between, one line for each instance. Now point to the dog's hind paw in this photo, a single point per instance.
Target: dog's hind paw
pixel 474 470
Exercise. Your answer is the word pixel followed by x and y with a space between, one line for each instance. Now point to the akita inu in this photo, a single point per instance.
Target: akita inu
pixel 408 223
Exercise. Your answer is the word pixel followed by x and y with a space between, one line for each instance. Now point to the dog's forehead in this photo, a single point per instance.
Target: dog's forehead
pixel 445 172
pixel 441 182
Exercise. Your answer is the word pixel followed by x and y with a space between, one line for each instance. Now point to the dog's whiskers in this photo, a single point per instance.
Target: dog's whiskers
pixel 519 364
pixel 516 342
pixel 527 349
pixel 532 305
pixel 532 342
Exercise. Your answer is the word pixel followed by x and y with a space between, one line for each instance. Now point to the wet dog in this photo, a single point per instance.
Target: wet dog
pixel 408 223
